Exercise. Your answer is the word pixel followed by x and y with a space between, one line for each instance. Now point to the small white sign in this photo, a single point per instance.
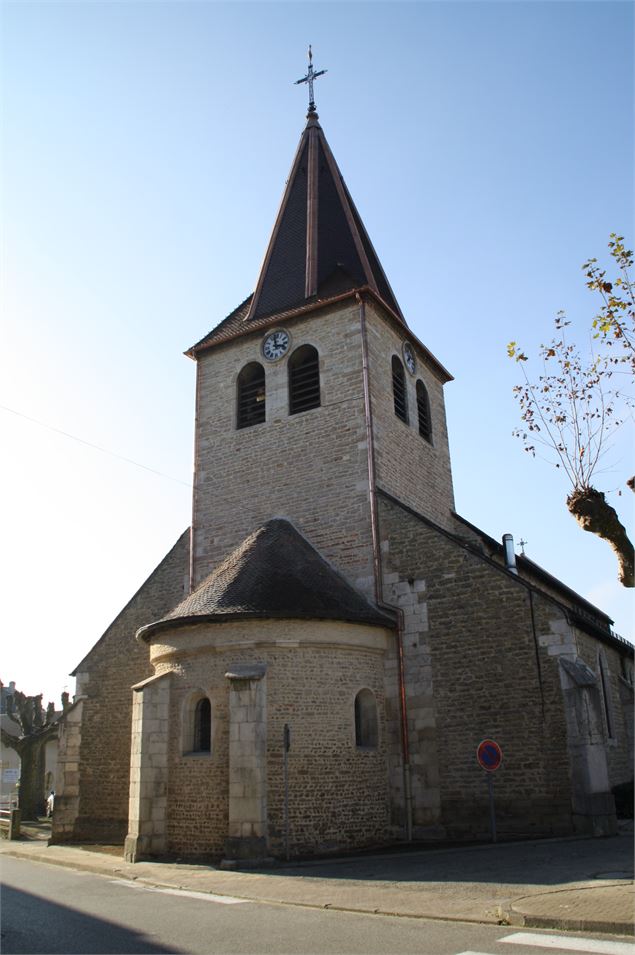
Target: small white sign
pixel 10 775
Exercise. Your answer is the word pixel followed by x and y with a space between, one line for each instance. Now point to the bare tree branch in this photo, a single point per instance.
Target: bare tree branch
pixel 573 410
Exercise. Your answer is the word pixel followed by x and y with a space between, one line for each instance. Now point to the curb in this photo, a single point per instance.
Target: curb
pixel 504 915
pixel 63 863
pixel 571 925
pixel 513 916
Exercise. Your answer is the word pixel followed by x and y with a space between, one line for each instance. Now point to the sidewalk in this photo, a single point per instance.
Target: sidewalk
pixel 566 884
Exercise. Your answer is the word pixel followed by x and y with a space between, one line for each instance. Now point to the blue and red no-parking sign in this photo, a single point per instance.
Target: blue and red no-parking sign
pixel 489 755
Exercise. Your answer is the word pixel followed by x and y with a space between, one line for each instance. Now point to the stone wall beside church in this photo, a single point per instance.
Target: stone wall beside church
pixel 482 652
pixel 95 771
pixel 617 703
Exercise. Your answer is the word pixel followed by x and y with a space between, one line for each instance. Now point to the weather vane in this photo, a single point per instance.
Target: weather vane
pixel 310 76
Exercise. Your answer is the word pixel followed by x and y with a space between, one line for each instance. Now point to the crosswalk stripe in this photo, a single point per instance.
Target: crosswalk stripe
pixel 204 896
pixel 597 946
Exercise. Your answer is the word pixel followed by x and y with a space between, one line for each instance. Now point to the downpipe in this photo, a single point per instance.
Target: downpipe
pixel 378 574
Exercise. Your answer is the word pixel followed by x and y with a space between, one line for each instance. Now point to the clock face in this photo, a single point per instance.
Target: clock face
pixel 276 344
pixel 409 358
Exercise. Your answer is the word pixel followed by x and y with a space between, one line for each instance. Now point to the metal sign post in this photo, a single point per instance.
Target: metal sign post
pixel 490 756
pixel 492 811
pixel 286 746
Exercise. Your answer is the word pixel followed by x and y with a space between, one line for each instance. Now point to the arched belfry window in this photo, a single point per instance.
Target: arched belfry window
pixel 423 412
pixel 304 379
pixel 399 389
pixel 250 396
pixel 366 732
pixel 606 694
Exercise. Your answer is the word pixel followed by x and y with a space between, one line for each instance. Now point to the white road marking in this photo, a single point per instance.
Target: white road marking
pixel 204 896
pixel 566 942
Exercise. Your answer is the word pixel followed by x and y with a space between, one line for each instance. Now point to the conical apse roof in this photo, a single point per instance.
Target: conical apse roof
pixel 275 572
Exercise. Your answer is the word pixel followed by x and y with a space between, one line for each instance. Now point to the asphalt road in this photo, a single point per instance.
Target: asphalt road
pixel 48 909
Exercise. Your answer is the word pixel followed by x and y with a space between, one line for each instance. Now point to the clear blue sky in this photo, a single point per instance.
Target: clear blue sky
pixel 489 149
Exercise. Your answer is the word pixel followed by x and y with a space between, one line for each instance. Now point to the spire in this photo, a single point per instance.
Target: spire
pixel 319 246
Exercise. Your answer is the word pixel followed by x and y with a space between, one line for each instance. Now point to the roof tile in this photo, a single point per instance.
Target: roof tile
pixel 275 572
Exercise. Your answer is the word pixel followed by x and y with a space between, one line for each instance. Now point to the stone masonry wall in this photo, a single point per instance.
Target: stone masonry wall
pixel 620 705
pixel 106 676
pixel 473 670
pixel 148 769
pixel 67 786
pixel 310 467
pixel 408 466
pixel 338 794
pixel 199 782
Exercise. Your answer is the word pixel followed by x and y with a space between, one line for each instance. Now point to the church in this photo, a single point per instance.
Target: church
pixel 314 664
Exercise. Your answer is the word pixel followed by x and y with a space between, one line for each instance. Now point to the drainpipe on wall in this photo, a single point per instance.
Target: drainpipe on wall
pixel 378 572
pixel 192 568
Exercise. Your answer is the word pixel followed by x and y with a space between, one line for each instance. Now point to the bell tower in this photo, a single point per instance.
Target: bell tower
pixel 309 376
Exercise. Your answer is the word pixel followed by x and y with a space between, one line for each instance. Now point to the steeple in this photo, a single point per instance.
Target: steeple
pixel 319 246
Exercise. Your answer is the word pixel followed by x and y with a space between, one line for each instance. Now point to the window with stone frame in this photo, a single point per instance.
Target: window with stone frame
pixel 366 724
pixel 399 393
pixel 197 725
pixel 304 379
pixel 605 689
pixel 423 412
pixel 250 396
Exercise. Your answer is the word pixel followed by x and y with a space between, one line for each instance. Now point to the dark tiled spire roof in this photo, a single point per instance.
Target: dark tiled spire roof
pixel 319 249
pixel 319 246
pixel 275 572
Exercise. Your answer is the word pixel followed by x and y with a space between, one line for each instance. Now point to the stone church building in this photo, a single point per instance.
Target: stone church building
pixel 313 665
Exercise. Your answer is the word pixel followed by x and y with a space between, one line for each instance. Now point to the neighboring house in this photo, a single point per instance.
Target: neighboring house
pixel 9 759
pixel 328 591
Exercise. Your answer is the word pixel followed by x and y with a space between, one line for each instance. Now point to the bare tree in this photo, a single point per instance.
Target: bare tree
pixel 37 727
pixel 572 410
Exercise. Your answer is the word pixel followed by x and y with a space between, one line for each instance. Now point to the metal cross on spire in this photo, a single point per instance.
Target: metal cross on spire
pixel 310 76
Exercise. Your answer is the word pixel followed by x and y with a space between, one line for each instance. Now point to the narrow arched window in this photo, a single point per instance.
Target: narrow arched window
pixel 399 389
pixel 365 720
pixel 423 412
pixel 202 726
pixel 304 379
pixel 250 396
pixel 606 694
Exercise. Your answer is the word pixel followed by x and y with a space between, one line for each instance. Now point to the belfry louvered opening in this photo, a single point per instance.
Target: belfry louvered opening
pixel 423 412
pixel 251 396
pixel 399 389
pixel 304 379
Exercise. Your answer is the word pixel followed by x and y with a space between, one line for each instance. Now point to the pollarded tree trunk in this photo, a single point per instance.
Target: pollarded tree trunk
pixel 31 800
pixel 594 514
pixel 30 749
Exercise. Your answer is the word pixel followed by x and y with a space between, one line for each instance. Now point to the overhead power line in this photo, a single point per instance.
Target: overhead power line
pixel 95 447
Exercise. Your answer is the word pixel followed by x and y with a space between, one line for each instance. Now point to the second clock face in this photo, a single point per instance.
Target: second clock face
pixel 276 344
pixel 409 358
